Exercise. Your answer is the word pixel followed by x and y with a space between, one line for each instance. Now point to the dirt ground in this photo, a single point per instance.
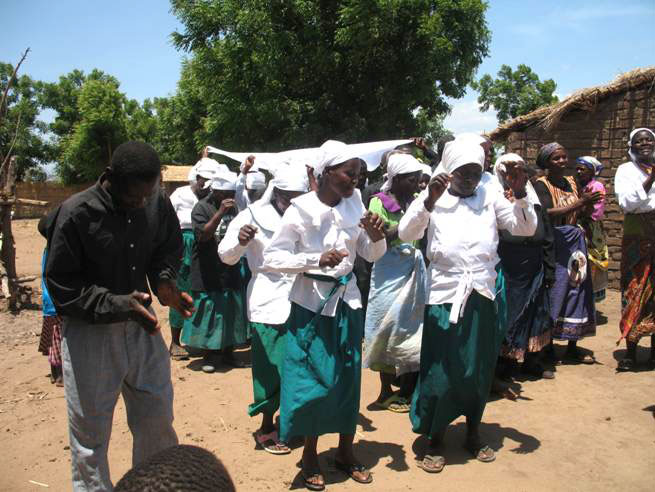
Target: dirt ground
pixel 589 429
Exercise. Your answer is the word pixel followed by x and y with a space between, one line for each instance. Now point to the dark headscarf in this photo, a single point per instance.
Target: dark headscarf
pixel 545 152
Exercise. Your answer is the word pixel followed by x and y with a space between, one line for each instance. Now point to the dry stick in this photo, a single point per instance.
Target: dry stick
pixel 3 101
pixel 13 142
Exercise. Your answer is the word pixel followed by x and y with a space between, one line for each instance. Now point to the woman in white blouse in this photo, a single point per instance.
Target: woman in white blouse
pixel 268 305
pixel 633 185
pixel 461 335
pixel 320 235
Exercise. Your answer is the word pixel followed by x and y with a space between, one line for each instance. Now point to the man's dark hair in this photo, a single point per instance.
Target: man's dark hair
pixel 181 468
pixel 135 161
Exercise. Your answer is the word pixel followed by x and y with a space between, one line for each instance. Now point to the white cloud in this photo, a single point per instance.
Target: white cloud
pixel 466 117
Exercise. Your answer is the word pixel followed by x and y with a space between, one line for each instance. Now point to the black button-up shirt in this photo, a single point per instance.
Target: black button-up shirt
pixel 98 252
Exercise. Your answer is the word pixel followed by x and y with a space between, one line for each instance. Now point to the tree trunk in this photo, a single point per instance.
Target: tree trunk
pixel 8 252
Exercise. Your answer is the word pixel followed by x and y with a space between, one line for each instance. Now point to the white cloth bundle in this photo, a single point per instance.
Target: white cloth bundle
pixel 369 152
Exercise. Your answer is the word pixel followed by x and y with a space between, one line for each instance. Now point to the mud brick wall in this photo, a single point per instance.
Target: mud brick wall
pixel 601 132
pixel 53 193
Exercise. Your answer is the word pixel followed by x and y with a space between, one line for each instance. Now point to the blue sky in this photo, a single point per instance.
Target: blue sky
pixel 578 43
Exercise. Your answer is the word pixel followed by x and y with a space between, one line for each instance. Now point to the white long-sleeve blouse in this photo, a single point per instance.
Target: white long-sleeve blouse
pixel 629 189
pixel 462 241
pixel 309 228
pixel 268 292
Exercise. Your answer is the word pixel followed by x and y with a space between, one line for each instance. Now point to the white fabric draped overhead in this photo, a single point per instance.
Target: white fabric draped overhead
pixel 369 152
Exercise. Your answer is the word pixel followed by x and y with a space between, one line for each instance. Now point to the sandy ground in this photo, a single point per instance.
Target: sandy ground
pixel 589 429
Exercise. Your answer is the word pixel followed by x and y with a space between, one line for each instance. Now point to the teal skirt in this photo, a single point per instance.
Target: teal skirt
pixel 218 321
pixel 183 282
pixel 457 365
pixel 321 374
pixel 267 354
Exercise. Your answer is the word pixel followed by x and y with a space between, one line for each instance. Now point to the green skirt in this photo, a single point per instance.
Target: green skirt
pixel 322 372
pixel 267 353
pixel 218 321
pixel 457 365
pixel 183 282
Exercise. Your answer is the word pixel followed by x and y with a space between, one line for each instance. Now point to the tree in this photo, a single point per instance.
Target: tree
pixel 87 151
pixel 91 121
pixel 272 75
pixel 514 93
pixel 21 132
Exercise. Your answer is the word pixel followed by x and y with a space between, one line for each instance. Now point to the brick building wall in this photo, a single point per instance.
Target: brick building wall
pixel 53 193
pixel 601 132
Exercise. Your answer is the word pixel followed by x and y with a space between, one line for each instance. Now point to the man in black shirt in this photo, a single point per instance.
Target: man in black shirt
pixel 107 244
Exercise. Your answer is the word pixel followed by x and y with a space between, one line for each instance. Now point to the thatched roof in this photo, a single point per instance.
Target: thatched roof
pixel 175 174
pixel 585 100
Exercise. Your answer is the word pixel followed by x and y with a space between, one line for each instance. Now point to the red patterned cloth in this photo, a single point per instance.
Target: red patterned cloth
pixel 54 355
pixel 50 341
pixel 638 277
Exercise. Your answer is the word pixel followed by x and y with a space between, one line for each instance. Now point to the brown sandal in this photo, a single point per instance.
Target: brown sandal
pixel 431 463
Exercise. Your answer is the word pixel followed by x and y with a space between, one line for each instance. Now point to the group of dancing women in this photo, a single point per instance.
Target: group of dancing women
pixel 446 278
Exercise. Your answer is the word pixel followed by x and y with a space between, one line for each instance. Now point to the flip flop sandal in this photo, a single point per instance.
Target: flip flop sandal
pixel 395 403
pixel 351 468
pixel 580 357
pixel 431 463
pixel 178 353
pixel 307 476
pixel 481 452
pixel 277 446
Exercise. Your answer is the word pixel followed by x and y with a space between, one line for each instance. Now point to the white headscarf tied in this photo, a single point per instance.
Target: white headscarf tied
pixel 425 169
pixel 332 153
pixel 458 153
pixel 204 170
pixel 500 169
pixel 632 155
pixel 400 164
pixel 255 180
pixel 286 178
pixel 224 181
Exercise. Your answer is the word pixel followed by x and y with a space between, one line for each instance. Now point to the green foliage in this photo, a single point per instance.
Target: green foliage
pixel 89 131
pixel 35 175
pixel 21 121
pixel 514 93
pixel 279 74
pixel 92 118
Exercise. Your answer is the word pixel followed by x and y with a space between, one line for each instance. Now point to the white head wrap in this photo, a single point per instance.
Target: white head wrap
pixel 288 178
pixel 331 154
pixel 204 170
pixel 425 169
pixel 458 153
pixel 400 164
pixel 255 180
pixel 225 181
pixel 632 155
pixel 473 138
pixel 500 169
